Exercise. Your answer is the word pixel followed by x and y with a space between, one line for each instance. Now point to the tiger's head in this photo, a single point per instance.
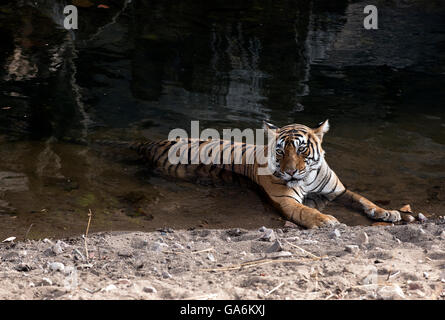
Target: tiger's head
pixel 296 150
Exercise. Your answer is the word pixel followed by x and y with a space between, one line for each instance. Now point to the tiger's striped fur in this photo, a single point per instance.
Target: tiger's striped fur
pixel 297 165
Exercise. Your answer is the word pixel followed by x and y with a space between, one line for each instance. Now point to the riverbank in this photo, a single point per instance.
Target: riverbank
pixel 378 262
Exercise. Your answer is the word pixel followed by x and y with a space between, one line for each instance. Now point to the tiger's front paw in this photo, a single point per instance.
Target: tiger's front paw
pixel 384 215
pixel 322 220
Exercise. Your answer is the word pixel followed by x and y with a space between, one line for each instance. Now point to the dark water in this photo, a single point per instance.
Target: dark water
pixel 141 68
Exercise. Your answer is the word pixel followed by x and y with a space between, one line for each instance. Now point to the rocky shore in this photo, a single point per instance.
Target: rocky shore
pixel 376 262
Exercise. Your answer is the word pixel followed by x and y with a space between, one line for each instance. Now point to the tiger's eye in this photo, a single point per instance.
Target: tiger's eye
pixel 280 152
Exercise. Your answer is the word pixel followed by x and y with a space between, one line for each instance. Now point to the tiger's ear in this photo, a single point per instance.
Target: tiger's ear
pixel 269 126
pixel 321 129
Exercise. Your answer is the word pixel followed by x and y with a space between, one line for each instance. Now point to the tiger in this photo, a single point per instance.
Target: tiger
pixel 297 169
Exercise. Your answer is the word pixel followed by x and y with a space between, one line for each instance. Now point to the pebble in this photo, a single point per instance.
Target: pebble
pixel 335 234
pixel 57 248
pixel 124 281
pixel 46 282
pixel 279 254
pixel 149 289
pixel 124 253
pixel 393 292
pixel 179 246
pixel 262 229
pixel 166 275
pixel 421 217
pixel 275 247
pixel 211 257
pixel 269 235
pixel 442 235
pixel 352 248
pixel 363 238
pixel 426 275
pixel 56 266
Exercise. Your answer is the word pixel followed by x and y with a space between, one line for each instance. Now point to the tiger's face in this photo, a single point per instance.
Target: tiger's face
pixel 297 151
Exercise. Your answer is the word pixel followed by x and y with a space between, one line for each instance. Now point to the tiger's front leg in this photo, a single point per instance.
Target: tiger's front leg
pixel 288 201
pixel 373 211
pixel 303 215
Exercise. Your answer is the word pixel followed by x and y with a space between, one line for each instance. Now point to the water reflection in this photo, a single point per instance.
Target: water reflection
pixel 141 68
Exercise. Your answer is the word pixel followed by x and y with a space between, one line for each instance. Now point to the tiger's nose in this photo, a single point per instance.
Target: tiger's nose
pixel 291 172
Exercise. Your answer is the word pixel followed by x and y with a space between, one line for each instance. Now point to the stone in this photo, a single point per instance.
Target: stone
pixel 442 235
pixel 363 238
pixel 392 292
pixel 211 257
pixel 269 235
pixel 46 282
pixel 335 234
pixel 275 247
pixel 56 266
pixel 57 248
pixel 149 289
pixel 262 229
pixel 352 248
pixel 166 275
pixel 421 217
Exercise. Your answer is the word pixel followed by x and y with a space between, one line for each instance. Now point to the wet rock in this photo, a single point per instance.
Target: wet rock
pixel 352 248
pixel 335 234
pixel 275 247
pixel 56 266
pixel 393 292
